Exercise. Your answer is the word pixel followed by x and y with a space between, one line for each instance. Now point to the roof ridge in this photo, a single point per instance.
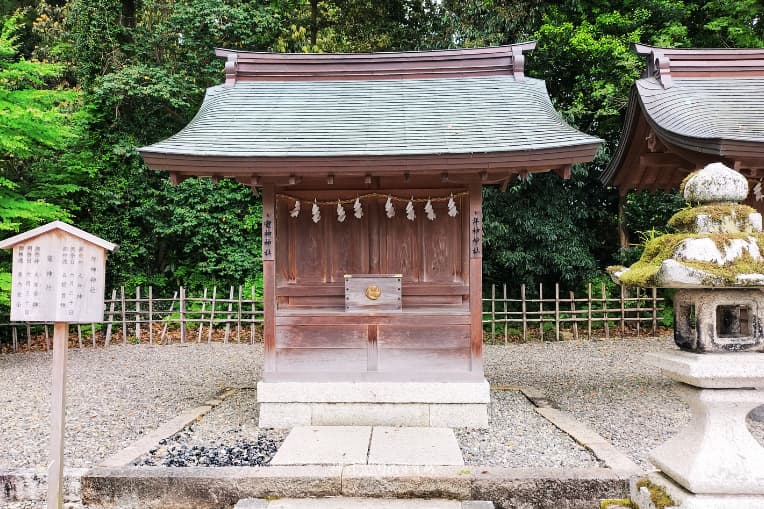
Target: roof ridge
pixel 666 64
pixel 459 62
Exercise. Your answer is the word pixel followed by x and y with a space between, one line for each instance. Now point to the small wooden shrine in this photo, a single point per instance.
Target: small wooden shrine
pixel 692 107
pixel 370 168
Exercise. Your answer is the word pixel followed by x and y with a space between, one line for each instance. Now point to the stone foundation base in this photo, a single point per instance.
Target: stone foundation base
pixel 429 404
pixel 685 500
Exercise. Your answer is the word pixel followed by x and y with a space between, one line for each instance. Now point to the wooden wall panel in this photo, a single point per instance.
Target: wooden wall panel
pixel 423 360
pixel 400 245
pixel 323 336
pixel 441 246
pixel 321 359
pixel 308 255
pixel 428 335
pixel 348 250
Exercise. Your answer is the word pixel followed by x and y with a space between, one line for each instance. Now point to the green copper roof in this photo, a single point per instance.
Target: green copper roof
pixel 387 117
pixel 707 109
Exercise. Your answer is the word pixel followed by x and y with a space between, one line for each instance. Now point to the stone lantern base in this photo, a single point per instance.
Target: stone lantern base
pixel 714 463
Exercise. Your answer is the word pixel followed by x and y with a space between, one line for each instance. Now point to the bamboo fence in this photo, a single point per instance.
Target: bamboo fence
pixel 228 315
pixel 554 315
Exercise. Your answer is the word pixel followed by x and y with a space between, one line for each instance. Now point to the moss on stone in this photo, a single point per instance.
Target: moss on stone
pixel 686 219
pixel 619 502
pixel 662 248
pixel 658 495
pixel 684 181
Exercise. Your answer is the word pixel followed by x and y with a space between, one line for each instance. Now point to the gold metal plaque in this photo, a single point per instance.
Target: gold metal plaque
pixel 373 292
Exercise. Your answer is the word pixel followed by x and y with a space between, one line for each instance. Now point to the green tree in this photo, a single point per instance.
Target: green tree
pixel 40 130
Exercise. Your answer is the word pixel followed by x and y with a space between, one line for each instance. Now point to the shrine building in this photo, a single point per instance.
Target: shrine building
pixel 371 169
pixel 692 107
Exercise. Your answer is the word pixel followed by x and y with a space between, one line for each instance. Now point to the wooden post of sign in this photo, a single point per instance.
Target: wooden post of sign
pixel 56 464
pixel 525 317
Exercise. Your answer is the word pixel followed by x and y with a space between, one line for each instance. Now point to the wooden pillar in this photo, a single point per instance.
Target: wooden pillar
pixel 476 275
pixel 623 234
pixel 57 414
pixel 269 277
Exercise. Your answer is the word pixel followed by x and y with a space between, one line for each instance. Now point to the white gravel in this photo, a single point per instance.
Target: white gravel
pixel 114 395
pixel 119 393
pixel 517 436
pixel 605 384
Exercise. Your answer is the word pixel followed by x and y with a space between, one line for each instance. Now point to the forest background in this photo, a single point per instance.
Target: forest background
pixel 83 83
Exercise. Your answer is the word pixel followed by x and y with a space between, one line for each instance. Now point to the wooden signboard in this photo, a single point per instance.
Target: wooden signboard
pixel 58 276
pixel 369 292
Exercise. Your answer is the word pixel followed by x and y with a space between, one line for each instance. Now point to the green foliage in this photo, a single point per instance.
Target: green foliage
pixel 560 238
pixel 86 82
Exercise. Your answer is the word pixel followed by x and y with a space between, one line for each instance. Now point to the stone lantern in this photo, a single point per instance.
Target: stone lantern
pixel 716 262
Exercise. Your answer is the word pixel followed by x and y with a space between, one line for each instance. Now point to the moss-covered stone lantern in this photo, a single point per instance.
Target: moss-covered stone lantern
pixel 714 259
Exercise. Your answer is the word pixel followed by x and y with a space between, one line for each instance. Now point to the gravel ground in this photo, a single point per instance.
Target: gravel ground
pixel 605 384
pixel 519 437
pixel 117 394
pixel 114 395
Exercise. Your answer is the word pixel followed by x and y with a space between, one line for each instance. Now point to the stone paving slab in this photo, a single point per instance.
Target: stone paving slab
pixel 361 503
pixel 414 446
pixel 324 445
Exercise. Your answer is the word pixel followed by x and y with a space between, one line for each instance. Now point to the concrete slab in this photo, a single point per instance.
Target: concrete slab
pixel 373 392
pixel 324 445
pixel 363 503
pixel 414 446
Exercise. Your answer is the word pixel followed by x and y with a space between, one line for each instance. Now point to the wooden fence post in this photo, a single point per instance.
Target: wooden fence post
pixel 212 313
pixel 107 339
pixel 238 319
pixel 151 315
pixel 623 312
pixel 92 334
pixel 201 316
pixel 124 319
pixel 167 318
pixel 138 313
pixel 47 338
pixel 557 311
pixel 79 336
pixel 252 318
pixel 589 313
pixel 541 311
pixel 506 316
pixel 182 315
pixel 493 313
pixel 525 317
pixel 574 315
pixel 604 312
pixel 228 317
pixel 655 311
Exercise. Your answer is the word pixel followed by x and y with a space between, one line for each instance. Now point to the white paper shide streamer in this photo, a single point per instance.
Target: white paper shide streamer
pixel 296 210
pixel 340 212
pixel 452 206
pixel 757 191
pixel 429 211
pixel 410 214
pixel 316 212
pixel 357 209
pixel 389 209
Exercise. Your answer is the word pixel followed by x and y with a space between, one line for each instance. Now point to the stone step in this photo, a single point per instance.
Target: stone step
pixel 360 503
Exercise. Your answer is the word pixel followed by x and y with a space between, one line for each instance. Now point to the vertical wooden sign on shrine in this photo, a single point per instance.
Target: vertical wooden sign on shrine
pixel 57 276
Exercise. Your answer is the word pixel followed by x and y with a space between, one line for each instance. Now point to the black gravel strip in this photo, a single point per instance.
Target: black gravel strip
pixel 174 453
